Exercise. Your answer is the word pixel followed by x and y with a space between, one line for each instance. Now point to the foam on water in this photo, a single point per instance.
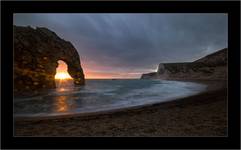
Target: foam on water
pixel 101 95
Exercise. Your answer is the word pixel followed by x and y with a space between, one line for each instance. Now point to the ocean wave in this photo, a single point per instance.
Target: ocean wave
pixel 99 96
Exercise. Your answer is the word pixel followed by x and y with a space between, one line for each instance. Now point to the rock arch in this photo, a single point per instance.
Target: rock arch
pixel 36 55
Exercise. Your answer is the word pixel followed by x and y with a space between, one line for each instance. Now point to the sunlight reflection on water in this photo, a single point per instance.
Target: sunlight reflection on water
pixel 98 95
pixel 61 104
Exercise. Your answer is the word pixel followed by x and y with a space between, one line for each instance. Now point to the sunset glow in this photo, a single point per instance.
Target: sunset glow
pixel 103 75
pixel 92 71
pixel 61 71
pixel 62 75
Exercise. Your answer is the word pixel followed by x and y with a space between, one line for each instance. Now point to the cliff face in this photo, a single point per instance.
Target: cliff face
pixel 213 66
pixel 36 52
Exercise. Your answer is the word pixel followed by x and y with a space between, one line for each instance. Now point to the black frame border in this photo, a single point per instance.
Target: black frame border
pixel 232 8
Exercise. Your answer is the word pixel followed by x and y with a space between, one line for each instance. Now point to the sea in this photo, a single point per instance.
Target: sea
pixel 100 95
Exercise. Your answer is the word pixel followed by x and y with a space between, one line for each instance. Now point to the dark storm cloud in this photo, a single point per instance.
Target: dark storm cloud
pixel 135 41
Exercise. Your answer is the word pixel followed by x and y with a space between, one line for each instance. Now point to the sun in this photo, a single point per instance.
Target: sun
pixel 61 71
pixel 62 76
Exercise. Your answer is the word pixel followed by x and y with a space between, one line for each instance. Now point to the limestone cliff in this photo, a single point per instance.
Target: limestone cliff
pixel 213 67
pixel 36 52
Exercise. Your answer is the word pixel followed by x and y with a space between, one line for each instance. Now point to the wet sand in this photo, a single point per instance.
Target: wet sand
pixel 204 114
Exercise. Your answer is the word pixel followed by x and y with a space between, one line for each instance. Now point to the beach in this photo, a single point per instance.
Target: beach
pixel 204 114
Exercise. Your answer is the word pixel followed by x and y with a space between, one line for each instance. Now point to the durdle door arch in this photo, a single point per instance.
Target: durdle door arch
pixel 36 55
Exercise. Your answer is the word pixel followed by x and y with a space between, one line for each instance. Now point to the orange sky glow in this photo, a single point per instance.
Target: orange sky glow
pixel 90 73
pixel 61 71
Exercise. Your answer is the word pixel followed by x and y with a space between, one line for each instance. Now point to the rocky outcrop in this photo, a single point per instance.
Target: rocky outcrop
pixel 213 66
pixel 36 52
pixel 152 75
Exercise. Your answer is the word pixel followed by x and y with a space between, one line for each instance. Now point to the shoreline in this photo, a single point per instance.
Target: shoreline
pixel 210 87
pixel 215 96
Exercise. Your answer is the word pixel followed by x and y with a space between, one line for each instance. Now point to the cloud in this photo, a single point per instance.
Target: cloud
pixel 135 41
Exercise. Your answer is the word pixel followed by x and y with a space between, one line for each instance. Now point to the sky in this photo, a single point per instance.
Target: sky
pixel 116 45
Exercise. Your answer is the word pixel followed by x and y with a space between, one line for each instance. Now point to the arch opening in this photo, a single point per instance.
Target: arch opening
pixel 62 77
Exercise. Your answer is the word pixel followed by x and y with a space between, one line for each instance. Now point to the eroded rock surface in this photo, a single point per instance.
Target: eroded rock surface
pixel 36 55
